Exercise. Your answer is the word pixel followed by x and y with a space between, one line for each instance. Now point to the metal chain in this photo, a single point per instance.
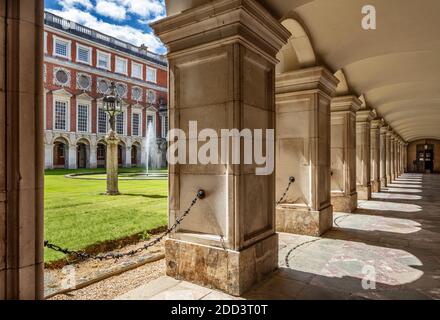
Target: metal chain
pixel 291 181
pixel 109 256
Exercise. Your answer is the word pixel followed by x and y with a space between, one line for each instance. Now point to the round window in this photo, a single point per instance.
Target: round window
pixel 137 93
pixel 83 82
pixel 121 89
pixel 103 86
pixel 151 96
pixel 62 76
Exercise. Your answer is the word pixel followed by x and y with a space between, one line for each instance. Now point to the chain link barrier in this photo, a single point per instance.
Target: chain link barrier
pixel 111 255
pixel 291 181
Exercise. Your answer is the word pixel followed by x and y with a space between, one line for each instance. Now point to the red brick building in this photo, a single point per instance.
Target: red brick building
pixel 80 64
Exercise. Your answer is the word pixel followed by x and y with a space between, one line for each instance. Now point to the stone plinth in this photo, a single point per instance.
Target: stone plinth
pixel 228 270
pixel 343 153
pixel 222 76
pixel 363 153
pixel 294 219
pixel 303 149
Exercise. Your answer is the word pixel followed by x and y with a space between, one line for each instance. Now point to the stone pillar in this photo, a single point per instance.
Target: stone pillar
pixel 93 156
pixel 405 157
pixel 389 172
pixel 48 156
pixel 21 149
pixel 363 156
pixel 127 163
pixel 375 154
pixel 343 153
pixel 112 163
pixel 72 154
pixel 392 157
pixel 222 76
pixel 383 156
pixel 303 150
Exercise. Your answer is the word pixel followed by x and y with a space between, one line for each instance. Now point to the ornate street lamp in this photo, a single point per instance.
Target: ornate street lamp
pixel 113 107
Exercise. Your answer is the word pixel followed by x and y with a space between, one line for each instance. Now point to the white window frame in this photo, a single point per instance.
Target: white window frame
pixel 140 65
pixel 101 106
pixel 162 124
pixel 140 123
pixel 78 46
pixel 155 75
pixel 45 42
pixel 89 109
pixel 124 125
pixel 67 101
pixel 69 47
pixel 126 65
pixel 109 67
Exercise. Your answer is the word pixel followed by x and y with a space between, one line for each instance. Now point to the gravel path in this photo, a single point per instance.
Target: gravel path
pixel 111 288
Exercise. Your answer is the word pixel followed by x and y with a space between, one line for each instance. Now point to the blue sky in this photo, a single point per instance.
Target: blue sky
pixel 123 19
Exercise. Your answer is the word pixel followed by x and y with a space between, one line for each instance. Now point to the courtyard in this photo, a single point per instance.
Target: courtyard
pixel 78 215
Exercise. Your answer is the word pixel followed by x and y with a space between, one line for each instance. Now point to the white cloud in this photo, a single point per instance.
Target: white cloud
pixel 122 32
pixel 143 8
pixel 111 10
pixel 67 4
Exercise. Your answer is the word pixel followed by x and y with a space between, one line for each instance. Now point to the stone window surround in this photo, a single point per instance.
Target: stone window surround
pixel 155 74
pixel 140 96
pixel 65 99
pixel 121 60
pixel 55 80
pixel 89 49
pixel 78 75
pixel 141 66
pixel 124 110
pixel 153 114
pixel 108 55
pixel 87 103
pixel 69 47
pixel 101 107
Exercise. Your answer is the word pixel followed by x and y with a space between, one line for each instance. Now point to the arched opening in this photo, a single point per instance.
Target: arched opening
pixel 60 152
pixel 83 154
pixel 136 155
pixel 101 155
pixel 121 154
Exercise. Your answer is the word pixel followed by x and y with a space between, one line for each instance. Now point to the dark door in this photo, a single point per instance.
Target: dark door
pixel 81 155
pixel 59 152
pixel 134 156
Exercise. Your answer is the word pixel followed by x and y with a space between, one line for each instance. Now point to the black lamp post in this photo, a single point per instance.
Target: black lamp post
pixel 113 107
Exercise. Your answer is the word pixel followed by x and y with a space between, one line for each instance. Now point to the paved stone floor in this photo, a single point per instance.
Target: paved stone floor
pixel 393 239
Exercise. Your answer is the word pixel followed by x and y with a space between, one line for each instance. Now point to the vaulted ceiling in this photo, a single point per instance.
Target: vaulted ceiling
pixel 396 67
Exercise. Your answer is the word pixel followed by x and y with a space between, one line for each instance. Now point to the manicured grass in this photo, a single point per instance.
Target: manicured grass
pixel 77 215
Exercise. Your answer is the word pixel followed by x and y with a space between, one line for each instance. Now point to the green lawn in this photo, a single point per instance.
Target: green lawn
pixel 77 215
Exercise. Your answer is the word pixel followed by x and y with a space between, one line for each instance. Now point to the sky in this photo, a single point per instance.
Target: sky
pixel 126 20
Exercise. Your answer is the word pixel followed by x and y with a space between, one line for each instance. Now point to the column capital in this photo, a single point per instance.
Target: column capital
pixel 377 123
pixel 349 103
pixel 308 79
pixel 223 21
pixel 365 115
pixel 384 128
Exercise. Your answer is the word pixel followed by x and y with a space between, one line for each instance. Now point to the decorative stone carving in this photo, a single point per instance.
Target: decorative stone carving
pixel 83 81
pixel 61 77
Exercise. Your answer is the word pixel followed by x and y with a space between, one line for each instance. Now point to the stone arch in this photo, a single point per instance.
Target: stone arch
pixel 136 154
pixel 83 146
pixel 298 53
pixel 122 153
pixel 60 153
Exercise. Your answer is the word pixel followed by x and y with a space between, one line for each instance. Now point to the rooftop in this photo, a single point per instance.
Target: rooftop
pixel 79 30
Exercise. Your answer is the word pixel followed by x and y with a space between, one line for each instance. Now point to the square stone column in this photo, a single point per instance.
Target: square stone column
pixel 392 157
pixel 376 124
pixel 222 75
pixel 72 157
pixel 383 156
pixel 343 153
pixel 389 152
pixel 93 155
pixel 363 153
pixel 405 157
pixel 303 150
pixel 21 149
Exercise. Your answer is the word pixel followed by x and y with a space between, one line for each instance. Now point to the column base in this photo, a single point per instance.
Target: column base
pixel 364 192
pixel 231 271
pixel 383 182
pixel 375 186
pixel 388 179
pixel 344 203
pixel 300 220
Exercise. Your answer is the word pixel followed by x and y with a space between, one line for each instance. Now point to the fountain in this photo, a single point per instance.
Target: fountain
pixel 151 149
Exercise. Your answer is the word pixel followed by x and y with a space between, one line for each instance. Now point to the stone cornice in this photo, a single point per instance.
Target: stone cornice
pixel 349 103
pixel 376 123
pixel 309 79
pixel 218 21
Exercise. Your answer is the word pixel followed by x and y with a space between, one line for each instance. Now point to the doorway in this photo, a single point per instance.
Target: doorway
pixel 59 155
pixel 425 158
pixel 81 152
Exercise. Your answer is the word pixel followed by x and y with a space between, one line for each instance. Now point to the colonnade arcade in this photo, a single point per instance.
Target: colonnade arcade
pixel 245 70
